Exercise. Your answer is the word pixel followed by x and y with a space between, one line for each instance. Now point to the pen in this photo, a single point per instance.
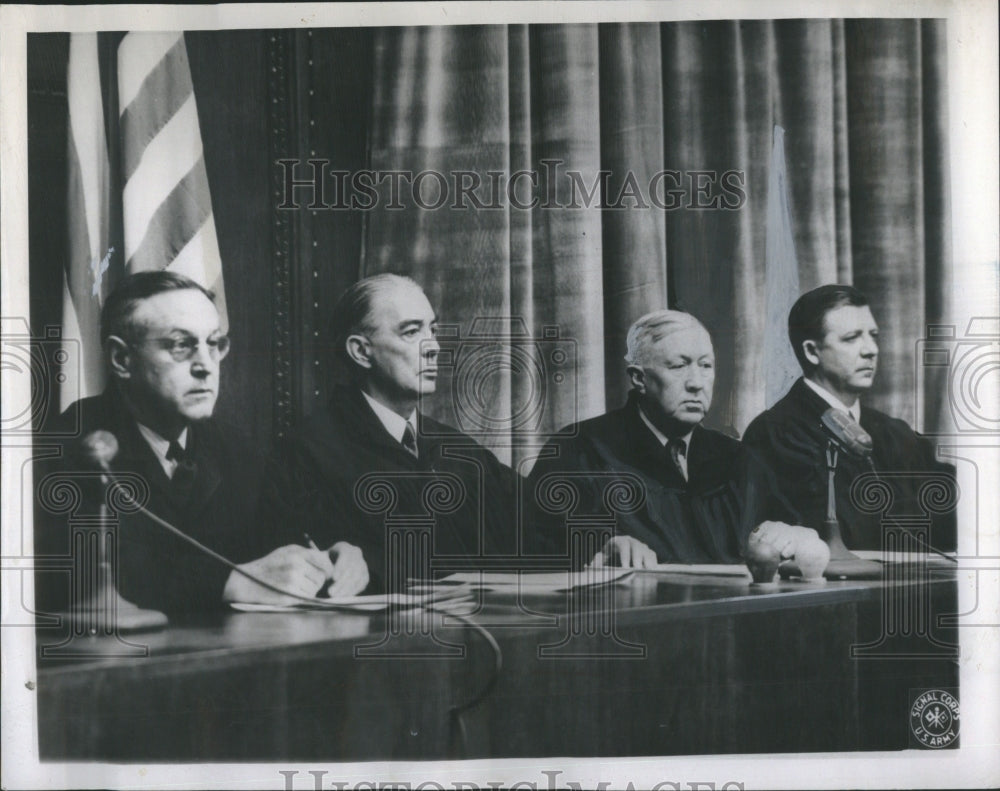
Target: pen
pixel 310 542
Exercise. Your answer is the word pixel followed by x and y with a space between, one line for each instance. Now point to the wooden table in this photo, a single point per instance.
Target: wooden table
pixel 656 665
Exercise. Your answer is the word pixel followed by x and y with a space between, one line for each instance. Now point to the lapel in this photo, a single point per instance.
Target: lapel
pixel 368 430
pixel 209 476
pixel 646 449
pixel 135 455
pixel 810 400
pixel 708 456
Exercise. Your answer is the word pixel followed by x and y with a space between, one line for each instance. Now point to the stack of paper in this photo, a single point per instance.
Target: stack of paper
pixel 371 603
pixel 539 582
pixel 904 557
pixel 709 569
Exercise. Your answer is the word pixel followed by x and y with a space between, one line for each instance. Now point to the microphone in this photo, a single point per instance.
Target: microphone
pixel 100 448
pixel 847 433
pixel 104 609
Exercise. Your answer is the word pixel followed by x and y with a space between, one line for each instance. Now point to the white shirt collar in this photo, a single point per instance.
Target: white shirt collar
pixel 160 446
pixel 393 423
pixel 836 403
pixel 660 436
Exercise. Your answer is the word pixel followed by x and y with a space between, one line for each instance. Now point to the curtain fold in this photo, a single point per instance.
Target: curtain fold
pixel 667 111
pixel 634 237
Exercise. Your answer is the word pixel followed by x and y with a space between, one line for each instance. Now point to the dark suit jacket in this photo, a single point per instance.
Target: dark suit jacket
pixel 155 568
pixel 327 483
pixel 789 435
pixel 705 519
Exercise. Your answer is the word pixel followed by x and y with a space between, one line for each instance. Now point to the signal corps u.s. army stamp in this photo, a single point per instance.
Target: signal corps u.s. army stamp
pixel 934 719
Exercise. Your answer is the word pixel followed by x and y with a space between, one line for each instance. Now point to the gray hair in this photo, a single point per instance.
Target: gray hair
pixel 650 328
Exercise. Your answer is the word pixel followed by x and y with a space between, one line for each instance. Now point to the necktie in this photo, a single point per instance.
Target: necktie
pixel 410 440
pixel 677 452
pixel 185 473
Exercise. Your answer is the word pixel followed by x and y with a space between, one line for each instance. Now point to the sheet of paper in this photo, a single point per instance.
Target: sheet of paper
pixel 371 603
pixel 714 569
pixel 903 557
pixel 538 582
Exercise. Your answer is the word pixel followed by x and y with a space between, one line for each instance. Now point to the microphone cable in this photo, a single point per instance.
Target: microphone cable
pixel 455 712
pixel 920 541
pixel 215 555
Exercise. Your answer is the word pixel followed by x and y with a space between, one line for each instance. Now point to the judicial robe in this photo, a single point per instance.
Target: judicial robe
pixel 704 519
pixel 790 436
pixel 156 569
pixel 342 477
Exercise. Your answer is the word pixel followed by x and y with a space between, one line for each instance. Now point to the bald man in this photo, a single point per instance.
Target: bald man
pixel 384 331
pixel 703 492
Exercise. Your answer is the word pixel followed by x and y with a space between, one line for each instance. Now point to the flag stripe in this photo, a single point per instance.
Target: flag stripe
pixel 175 222
pixel 80 305
pixel 781 277
pixel 168 158
pixel 87 217
pixel 87 141
pixel 199 260
pixel 163 93
pixel 141 51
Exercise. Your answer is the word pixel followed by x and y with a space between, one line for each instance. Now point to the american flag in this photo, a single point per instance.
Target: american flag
pixel 138 188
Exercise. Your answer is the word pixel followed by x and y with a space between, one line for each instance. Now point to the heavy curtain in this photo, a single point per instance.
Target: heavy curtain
pixel 862 104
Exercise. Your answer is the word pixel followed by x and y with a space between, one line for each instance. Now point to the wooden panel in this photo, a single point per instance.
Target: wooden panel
pixel 234 124
pixel 725 670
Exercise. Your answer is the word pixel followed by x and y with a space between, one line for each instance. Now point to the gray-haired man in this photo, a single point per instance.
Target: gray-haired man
pixel 704 492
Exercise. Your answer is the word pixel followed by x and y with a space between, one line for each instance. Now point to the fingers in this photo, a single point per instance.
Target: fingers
pixel 645 558
pixel 624 548
pixel 784 537
pixel 349 570
pixel 292 569
pixel 632 553
pixel 320 561
pixel 627 552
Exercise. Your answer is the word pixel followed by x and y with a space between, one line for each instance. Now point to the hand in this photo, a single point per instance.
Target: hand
pixel 350 572
pixel 299 570
pixel 627 551
pixel 783 537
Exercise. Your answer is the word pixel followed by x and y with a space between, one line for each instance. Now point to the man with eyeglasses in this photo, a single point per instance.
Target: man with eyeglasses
pixel 163 347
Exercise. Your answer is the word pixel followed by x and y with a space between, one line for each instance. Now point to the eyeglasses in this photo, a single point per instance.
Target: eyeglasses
pixel 183 349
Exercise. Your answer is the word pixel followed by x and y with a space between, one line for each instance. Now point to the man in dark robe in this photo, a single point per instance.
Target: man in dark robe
pixel 686 494
pixel 402 486
pixel 835 338
pixel 163 348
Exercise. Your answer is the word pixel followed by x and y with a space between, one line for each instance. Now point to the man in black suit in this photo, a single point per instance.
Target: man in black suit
pixel 163 347
pixel 702 492
pixel 370 460
pixel 835 338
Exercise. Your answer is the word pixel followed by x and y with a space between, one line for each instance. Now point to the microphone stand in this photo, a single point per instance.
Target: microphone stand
pixel 102 610
pixel 843 564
